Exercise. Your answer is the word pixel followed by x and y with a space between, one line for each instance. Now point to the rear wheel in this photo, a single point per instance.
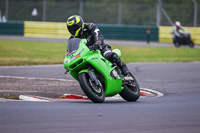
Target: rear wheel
pixel 94 92
pixel 131 91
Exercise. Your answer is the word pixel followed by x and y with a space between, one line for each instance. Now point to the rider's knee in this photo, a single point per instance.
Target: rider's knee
pixel 108 54
pixel 111 56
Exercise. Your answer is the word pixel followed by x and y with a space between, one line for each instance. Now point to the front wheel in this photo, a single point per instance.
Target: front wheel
pixel 176 43
pixel 92 91
pixel 131 91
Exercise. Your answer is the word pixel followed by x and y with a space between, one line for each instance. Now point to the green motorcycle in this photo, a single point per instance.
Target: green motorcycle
pixel 98 77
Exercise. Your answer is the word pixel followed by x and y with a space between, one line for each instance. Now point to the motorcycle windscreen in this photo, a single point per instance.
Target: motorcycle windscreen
pixel 72 45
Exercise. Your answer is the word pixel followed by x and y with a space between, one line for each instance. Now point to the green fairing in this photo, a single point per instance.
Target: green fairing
pixel 87 58
pixel 112 87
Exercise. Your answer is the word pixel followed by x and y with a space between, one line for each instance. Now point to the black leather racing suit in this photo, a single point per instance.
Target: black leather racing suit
pixel 92 34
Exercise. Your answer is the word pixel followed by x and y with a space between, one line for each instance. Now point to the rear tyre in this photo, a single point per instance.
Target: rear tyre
pixel 131 91
pixel 93 92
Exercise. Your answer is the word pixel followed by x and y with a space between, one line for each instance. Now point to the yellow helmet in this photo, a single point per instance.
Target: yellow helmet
pixel 75 25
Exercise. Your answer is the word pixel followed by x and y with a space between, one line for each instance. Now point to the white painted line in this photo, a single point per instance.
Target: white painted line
pixel 149 93
pixel 116 97
pixel 158 94
pixel 2 100
pixel 31 78
pixel 145 90
pixel 81 97
pixel 32 98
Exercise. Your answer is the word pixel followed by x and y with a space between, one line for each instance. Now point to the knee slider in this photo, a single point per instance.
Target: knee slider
pixel 112 57
pixel 107 55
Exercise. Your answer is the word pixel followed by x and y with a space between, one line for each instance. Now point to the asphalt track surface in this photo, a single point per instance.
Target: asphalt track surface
pixel 178 111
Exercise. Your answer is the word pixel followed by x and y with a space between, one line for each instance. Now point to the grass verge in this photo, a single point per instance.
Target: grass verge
pixel 9 96
pixel 15 52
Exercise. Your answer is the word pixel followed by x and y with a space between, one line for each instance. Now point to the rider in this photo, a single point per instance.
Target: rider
pixel 78 29
pixel 177 35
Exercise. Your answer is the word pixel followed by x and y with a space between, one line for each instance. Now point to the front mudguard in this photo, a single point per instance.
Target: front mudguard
pixel 83 71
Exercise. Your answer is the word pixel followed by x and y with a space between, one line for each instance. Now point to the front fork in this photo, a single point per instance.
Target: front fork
pixel 93 77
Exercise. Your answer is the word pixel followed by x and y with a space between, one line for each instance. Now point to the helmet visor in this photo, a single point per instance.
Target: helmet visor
pixel 73 28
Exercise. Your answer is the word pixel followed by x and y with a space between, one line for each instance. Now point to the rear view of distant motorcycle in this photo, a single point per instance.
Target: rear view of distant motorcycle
pixel 181 36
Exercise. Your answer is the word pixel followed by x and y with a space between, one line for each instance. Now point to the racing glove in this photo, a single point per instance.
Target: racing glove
pixel 97 45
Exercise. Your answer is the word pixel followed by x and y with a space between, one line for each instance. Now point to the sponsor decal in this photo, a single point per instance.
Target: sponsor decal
pixel 78 55
pixel 94 58
pixel 81 51
pixel 72 53
pixel 72 58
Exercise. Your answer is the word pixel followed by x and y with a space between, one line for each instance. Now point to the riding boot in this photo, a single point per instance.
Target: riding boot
pixel 114 58
pixel 122 66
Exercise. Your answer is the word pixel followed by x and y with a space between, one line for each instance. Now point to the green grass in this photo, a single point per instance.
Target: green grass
pixel 31 52
pixel 13 52
pixel 159 54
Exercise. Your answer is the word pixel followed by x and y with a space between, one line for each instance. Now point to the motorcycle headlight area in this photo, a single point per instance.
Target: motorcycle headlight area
pixel 114 74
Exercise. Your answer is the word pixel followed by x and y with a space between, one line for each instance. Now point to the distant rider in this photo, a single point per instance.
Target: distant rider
pixel 78 29
pixel 178 31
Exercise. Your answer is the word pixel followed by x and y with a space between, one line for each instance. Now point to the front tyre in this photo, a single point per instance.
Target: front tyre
pixel 176 43
pixel 131 91
pixel 93 92
pixel 191 45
